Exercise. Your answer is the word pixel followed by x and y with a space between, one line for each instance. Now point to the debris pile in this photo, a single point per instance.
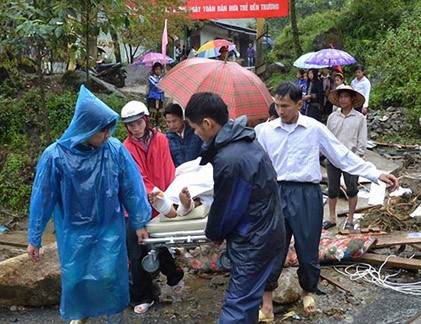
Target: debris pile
pixel 394 215
pixel 387 122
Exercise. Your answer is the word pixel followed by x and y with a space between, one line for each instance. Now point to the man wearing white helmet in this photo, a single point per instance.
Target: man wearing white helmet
pixel 151 152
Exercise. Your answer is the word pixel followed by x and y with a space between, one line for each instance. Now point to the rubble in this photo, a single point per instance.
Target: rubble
pixel 387 122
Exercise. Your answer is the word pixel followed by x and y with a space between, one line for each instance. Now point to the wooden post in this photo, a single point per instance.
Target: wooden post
pixel 259 44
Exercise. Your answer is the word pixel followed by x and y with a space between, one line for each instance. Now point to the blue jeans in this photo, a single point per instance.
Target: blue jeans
pixel 250 61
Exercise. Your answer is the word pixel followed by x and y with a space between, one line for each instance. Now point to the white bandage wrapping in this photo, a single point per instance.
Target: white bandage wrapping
pixel 162 204
pixel 181 211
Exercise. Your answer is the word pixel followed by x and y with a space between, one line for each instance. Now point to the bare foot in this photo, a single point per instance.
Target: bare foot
pixel 185 198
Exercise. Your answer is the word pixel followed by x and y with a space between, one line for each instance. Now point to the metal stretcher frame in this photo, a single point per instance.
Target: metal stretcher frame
pixel 185 239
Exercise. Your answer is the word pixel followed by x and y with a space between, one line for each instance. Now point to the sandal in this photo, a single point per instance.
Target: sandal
pixel 349 226
pixel 143 308
pixel 178 288
pixel 309 304
pixel 265 319
pixel 328 224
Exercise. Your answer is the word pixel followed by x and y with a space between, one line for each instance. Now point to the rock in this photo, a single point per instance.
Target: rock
pixel 289 289
pixel 218 281
pixel 23 282
pixel 390 121
pixel 412 181
pixel 276 67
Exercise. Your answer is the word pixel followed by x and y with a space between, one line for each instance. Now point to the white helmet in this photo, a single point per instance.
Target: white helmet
pixel 133 110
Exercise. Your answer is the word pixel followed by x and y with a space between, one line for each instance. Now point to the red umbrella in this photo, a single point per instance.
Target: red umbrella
pixel 242 90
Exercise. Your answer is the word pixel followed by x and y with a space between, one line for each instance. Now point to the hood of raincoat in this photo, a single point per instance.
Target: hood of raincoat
pixel 234 130
pixel 91 115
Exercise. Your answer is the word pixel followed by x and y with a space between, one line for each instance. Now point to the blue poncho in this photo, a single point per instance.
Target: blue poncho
pixel 86 192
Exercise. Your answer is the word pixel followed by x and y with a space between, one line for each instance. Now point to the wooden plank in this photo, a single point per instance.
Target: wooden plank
pixel 397 239
pixel 20 238
pixel 334 282
pixel 392 262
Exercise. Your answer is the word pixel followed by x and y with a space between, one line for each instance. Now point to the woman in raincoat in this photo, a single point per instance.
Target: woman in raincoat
pixel 85 179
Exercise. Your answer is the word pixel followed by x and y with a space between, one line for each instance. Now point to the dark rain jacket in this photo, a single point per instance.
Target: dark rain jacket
pixel 246 209
pixel 184 149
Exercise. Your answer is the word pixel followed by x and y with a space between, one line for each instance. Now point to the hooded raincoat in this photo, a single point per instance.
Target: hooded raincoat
pixel 86 190
pixel 245 210
pixel 246 213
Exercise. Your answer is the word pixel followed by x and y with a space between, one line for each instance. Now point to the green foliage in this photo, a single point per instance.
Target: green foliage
pixel 385 38
pixel 310 28
pixel 277 78
pixel 395 65
pixel 116 103
pixel 16 176
pixel 22 139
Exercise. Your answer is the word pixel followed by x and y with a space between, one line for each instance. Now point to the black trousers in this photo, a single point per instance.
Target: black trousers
pixel 141 286
pixel 302 205
pixel 313 111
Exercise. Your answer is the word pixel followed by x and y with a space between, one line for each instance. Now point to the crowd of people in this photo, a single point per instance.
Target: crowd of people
pixel 102 192
pixel 317 85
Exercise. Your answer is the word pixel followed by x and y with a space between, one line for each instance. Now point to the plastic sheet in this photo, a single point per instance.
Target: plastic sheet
pixel 86 192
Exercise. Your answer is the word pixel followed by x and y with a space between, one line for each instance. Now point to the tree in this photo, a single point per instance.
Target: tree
pixel 145 22
pixel 293 18
pixel 35 32
pixel 396 67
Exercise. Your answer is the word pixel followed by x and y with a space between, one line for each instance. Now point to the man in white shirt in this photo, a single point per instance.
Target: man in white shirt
pixel 294 143
pixel 350 128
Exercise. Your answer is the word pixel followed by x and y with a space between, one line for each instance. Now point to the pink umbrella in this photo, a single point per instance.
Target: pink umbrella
pixel 150 58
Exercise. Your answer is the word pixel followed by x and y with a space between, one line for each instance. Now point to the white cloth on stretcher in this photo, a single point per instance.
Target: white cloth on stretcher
pixel 197 178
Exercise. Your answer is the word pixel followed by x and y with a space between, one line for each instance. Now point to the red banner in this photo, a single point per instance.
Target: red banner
pixel 232 9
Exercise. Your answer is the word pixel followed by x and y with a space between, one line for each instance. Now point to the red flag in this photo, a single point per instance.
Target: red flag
pixel 164 43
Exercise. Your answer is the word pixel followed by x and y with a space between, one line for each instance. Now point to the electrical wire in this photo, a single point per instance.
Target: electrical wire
pixel 368 273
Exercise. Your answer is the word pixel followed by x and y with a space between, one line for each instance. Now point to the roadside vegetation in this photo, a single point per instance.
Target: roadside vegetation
pixel 35 109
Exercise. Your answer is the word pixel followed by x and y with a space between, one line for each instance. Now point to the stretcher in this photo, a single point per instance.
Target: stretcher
pixel 180 232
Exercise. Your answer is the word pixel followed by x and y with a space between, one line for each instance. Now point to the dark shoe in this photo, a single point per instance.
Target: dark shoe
pixel 328 224
pixel 349 226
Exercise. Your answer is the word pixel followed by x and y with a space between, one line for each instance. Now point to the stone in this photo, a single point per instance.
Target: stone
pixel 289 289
pixel 23 282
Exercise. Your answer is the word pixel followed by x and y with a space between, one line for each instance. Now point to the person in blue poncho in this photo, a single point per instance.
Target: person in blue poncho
pixel 86 180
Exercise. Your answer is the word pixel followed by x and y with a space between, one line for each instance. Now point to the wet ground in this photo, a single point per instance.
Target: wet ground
pixel 203 296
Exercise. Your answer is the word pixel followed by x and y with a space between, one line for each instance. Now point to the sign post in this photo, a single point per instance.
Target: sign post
pixel 259 45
